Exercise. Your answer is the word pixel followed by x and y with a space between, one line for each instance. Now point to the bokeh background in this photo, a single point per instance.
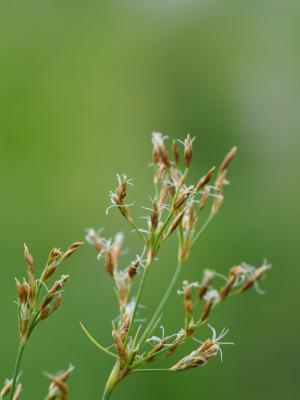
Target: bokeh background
pixel 83 84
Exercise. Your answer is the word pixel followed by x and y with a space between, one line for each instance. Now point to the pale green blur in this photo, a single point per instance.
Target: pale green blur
pixel 83 84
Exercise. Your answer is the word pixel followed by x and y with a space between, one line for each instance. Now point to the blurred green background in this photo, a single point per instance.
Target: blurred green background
pixel 83 84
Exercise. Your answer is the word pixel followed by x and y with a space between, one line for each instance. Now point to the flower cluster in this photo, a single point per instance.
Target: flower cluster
pixel 36 301
pixel 58 389
pixel 177 207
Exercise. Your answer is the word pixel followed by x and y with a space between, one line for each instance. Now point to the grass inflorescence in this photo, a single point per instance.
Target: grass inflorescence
pixel 177 208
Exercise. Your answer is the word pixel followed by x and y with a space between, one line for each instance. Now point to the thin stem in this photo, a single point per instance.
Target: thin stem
pixel 138 299
pixel 161 305
pixel 203 228
pixel 132 223
pixel 163 228
pixel 16 369
pixel 106 394
pixel 172 212
pixel 153 370
pixel 112 381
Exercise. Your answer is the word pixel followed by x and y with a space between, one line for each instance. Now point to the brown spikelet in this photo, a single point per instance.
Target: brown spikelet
pixel 47 300
pixel 182 197
pixel 206 310
pixel 57 302
pixel 175 223
pixel 6 388
pixel 204 198
pixel 55 254
pixel 29 259
pixel 58 284
pixel 188 151
pixel 175 152
pixel 205 179
pixel 154 216
pixel 155 349
pixel 233 275
pixel 257 274
pixel 228 158
pixel 225 290
pixel 208 276
pixel 164 156
pixel 71 249
pixel 21 291
pixel 163 196
pixel 49 270
pixel 18 391
pixel 132 268
pixel 217 204
pixel 119 345
pixel 63 388
pixel 44 313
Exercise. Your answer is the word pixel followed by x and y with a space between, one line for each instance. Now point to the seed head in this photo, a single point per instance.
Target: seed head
pixel 228 158
pixel 133 267
pixel 44 313
pixel 182 197
pixel 199 357
pixel 71 249
pixel 235 272
pixel 22 291
pixel 92 237
pixel 57 302
pixel 255 277
pixel 117 198
pixel 175 152
pixel 175 223
pixel 6 388
pixel 55 254
pixel 204 198
pixel 18 391
pixel 211 297
pixel 58 389
pixel 154 216
pixel 208 276
pixel 160 154
pixel 49 270
pixel 29 259
pixel 205 179
pixel 188 150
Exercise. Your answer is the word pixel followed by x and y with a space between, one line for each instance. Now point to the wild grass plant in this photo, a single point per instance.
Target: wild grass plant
pixel 177 208
pixel 37 301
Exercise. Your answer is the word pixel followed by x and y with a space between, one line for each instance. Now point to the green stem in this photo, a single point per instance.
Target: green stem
pixel 203 228
pixel 138 298
pixel 161 305
pixel 153 370
pixel 106 394
pixel 16 369
pixel 112 380
pixel 132 223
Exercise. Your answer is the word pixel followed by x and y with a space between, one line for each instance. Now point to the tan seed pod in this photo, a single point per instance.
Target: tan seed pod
pixel 205 179
pixel 175 152
pixel 29 259
pixel 257 274
pixel 175 223
pixel 44 313
pixel 49 270
pixel 228 158
pixel 18 391
pixel 57 302
pixel 71 249
pixel 6 388
pixel 188 151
